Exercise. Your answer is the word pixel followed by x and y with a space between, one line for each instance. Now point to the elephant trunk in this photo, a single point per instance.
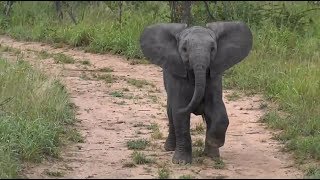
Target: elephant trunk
pixel 200 84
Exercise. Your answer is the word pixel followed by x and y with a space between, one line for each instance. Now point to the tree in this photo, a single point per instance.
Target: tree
pixel 58 6
pixel 7 7
pixel 120 10
pixel 181 11
pixel 208 10
pixel 186 16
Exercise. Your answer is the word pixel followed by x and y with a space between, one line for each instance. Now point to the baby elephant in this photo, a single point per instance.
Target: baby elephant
pixel 193 60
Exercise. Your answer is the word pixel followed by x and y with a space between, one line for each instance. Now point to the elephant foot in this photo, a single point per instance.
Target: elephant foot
pixel 212 152
pixel 182 158
pixel 170 144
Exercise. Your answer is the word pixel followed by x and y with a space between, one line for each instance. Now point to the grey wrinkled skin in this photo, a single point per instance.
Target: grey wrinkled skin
pixel 193 60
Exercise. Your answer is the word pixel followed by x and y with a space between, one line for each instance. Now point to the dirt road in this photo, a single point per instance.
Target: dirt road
pixel 113 109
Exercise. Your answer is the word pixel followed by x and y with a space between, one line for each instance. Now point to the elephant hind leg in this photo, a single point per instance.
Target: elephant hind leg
pixel 170 144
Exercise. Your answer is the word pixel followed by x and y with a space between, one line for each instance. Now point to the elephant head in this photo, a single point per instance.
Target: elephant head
pixel 214 48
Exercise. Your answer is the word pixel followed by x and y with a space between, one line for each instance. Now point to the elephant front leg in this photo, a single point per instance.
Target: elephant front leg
pixel 170 143
pixel 183 150
pixel 217 124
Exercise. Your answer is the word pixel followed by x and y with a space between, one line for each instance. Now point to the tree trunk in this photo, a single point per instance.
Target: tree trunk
pixel 7 8
pixel 172 5
pixel 73 18
pixel 211 18
pixel 186 16
pixel 58 9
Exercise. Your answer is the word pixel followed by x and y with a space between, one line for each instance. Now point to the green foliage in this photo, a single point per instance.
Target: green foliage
pixel 138 83
pixel 108 78
pixel 43 54
pixel 284 66
pixel 98 29
pixel 163 173
pixel 117 94
pixel 141 158
pixel 85 62
pixel 54 173
pixel 139 144
pixel 198 143
pixel 218 164
pixel 106 69
pixel 62 58
pixel 156 133
pixel 312 173
pixel 186 177
pixel 33 113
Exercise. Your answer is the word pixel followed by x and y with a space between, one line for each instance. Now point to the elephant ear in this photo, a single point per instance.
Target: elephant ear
pixel 159 44
pixel 234 42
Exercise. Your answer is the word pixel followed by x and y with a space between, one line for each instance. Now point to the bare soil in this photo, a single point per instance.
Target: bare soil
pixel 108 122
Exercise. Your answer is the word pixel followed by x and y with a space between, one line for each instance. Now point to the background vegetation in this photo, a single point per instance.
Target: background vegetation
pixel 284 64
pixel 34 113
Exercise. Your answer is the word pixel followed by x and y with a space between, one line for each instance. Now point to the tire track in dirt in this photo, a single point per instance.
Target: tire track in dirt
pixel 108 122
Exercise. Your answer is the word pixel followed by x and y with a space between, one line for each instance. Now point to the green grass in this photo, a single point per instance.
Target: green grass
pixel 163 173
pixel 289 76
pixel 156 133
pixel 283 65
pixel 312 173
pixel 139 124
pixel 263 105
pixel 138 144
pixel 197 152
pixel 37 21
pixel 138 83
pixel 75 136
pixel 44 54
pixel 9 49
pixel 198 142
pixel 218 163
pixel 106 69
pixel 117 94
pixel 121 94
pixel 85 62
pixel 198 155
pixel 107 78
pixel 233 96
pixel 186 177
pixel 199 129
pixel 35 114
pixel 54 173
pixel 153 98
pixel 62 58
pixel 141 158
pixel 153 126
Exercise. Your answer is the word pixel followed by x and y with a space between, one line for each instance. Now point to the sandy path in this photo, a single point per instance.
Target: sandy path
pixel 108 122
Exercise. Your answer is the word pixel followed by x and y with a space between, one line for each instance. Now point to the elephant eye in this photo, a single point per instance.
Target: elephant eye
pixel 184 49
pixel 212 48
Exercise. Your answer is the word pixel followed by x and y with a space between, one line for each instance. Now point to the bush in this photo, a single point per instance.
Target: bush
pixel 33 113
